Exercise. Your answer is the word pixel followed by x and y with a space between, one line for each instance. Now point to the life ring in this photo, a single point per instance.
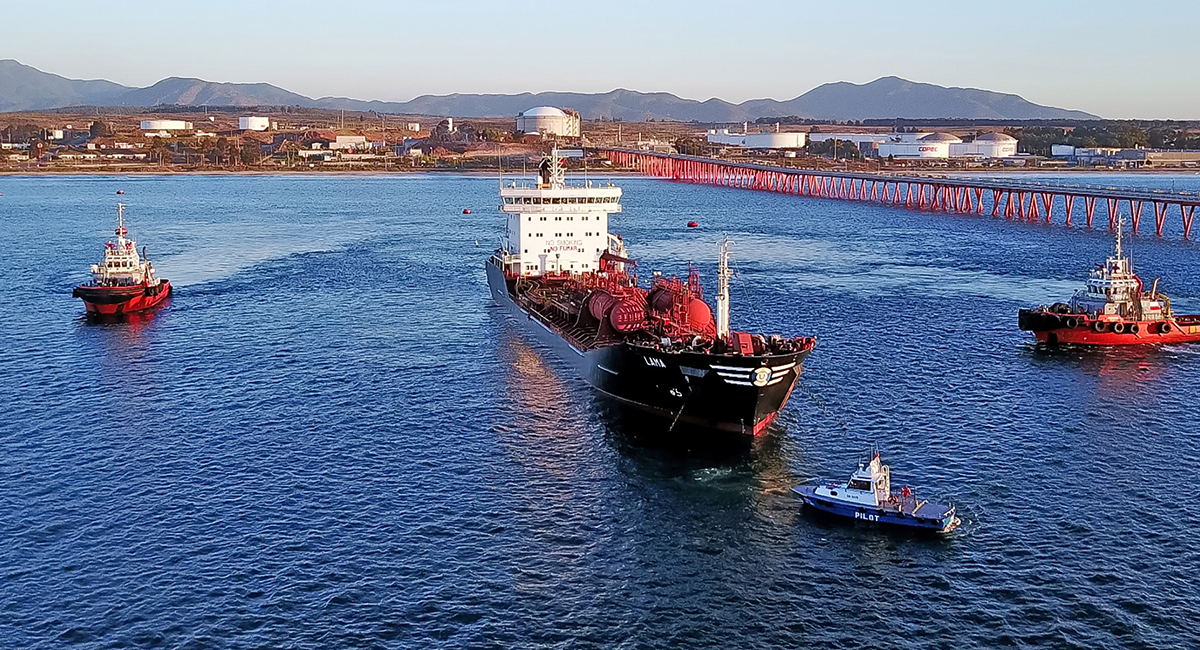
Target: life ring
pixel 1098 326
pixel 1133 328
pixel 1165 328
pixel 1118 328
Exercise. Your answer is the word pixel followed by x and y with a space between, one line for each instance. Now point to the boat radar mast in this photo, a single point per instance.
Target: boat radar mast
pixel 551 173
pixel 723 290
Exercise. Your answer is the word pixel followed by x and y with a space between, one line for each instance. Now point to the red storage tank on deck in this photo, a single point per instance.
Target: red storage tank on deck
pixel 699 315
pixel 599 304
pixel 661 298
pixel 628 315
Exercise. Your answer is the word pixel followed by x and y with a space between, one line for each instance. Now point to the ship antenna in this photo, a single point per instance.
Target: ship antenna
pixel 723 290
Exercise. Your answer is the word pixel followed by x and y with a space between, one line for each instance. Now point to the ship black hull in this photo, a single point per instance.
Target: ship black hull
pixel 730 393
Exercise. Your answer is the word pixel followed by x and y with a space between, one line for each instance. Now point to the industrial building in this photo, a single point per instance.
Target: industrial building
pixel 166 125
pixel 917 145
pixel 547 120
pixel 945 145
pixel 1140 158
pixel 923 146
pixel 764 140
pixel 251 123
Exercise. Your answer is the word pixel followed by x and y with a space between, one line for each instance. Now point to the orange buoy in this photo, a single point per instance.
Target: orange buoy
pixel 693 224
pixel 120 191
pixel 466 211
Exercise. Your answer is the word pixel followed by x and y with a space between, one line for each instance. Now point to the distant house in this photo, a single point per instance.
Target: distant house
pixel 73 154
pixel 349 142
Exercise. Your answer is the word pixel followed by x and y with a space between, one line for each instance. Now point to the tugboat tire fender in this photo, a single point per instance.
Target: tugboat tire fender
pixel 1165 328
pixel 1119 328
pixel 1072 323
pixel 1098 326
pixel 1133 328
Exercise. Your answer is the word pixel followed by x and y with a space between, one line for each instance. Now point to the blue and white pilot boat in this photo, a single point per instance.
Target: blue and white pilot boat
pixel 868 496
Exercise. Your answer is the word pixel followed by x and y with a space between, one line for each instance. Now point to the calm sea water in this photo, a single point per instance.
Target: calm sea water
pixel 331 438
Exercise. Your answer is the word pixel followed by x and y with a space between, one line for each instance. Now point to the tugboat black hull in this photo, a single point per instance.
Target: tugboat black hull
pixel 118 300
pixel 732 393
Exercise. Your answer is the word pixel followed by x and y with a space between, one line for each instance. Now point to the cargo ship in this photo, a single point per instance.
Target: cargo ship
pixel 1113 308
pixel 657 347
pixel 124 281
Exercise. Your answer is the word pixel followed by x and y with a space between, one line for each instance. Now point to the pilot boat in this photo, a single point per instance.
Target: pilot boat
pixel 124 281
pixel 868 496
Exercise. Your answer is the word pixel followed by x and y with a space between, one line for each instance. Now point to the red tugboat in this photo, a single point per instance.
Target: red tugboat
pixel 123 282
pixel 571 285
pixel 1112 309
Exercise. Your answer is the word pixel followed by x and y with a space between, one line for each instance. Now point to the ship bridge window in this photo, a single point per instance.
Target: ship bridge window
pixel 865 486
pixel 570 218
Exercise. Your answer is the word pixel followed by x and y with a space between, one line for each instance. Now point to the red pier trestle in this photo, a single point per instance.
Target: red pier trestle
pixel 1015 199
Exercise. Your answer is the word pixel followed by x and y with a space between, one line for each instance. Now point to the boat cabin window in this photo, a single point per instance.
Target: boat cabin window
pixel 865 486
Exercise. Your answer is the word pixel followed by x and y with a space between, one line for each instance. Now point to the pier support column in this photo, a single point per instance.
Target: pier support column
pixel 1069 205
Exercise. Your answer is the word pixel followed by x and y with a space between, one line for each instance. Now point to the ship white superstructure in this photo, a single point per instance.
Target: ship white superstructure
pixel 555 229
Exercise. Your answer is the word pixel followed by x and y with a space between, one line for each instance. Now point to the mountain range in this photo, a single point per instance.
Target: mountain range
pixel 24 88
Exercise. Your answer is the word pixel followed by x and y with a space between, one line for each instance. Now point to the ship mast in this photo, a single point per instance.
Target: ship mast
pixel 1120 227
pixel 723 290
pixel 121 224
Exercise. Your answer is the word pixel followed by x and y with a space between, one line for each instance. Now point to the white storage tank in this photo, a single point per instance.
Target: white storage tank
pixel 764 140
pixel 548 120
pixel 254 123
pixel 986 145
pixel 933 145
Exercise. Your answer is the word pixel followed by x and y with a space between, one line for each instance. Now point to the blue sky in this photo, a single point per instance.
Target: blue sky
pixel 1115 59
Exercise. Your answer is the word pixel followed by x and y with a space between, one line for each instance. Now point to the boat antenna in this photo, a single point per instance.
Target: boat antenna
pixel 723 289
